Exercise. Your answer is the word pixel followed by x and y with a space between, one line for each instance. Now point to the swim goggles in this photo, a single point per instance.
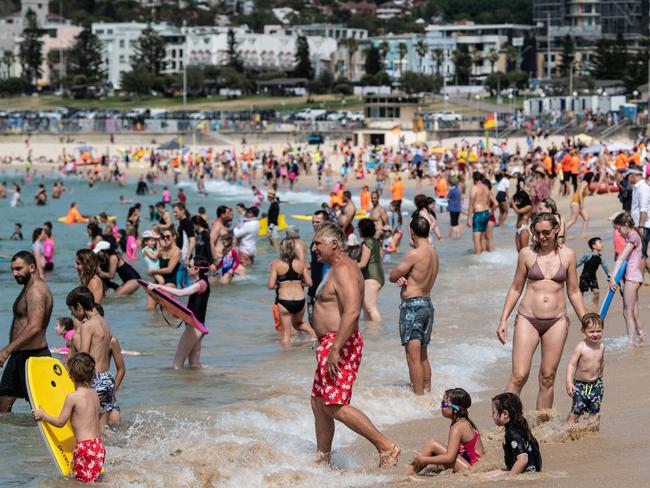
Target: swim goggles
pixel 444 404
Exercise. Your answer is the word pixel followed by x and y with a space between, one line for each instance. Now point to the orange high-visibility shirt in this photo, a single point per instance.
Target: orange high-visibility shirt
pixel 364 198
pixel 397 191
pixel 575 165
pixel 74 217
pixel 442 188
pixel 621 161
pixel 566 162
pixel 635 158
pixel 548 164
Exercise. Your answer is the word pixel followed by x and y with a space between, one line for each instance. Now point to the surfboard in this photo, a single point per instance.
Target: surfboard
pixel 48 383
pixel 174 307
pixel 63 220
pixel 264 225
pixel 610 294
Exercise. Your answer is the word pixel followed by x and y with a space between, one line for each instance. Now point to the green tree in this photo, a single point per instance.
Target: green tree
pixel 373 63
pixel 8 59
pixel 421 50
pixel 302 58
pixel 402 50
pixel 493 58
pixel 31 49
pixel 568 56
pixel 138 81
pixel 477 60
pixel 601 59
pixel 351 44
pixel 439 58
pixel 234 59
pixel 463 64
pixel 150 52
pixel 195 80
pixel 85 57
pixel 412 82
pixel 620 57
pixel 510 53
pixel 384 49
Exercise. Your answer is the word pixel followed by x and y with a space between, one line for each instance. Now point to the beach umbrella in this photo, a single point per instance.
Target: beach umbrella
pixel 84 148
pixel 617 146
pixel 593 149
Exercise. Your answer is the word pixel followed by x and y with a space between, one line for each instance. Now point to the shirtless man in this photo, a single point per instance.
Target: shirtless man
pixel 416 275
pixel 220 228
pixel 378 214
pixel 478 214
pixel 347 214
pixel 32 310
pixel 94 337
pixel 335 319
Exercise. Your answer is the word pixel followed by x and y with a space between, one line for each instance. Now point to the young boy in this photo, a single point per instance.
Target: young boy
pixel 591 261
pixel 94 337
pixel 82 409
pixel 585 369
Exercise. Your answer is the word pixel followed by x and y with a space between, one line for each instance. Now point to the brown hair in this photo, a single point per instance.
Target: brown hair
pixel 592 319
pixel 624 218
pixel 89 265
pixel 81 367
pixel 543 217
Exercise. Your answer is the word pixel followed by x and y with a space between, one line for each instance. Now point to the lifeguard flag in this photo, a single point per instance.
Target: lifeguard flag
pixel 490 121
pixel 395 129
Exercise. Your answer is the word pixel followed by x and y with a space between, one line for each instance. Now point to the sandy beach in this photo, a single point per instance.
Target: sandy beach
pixel 615 455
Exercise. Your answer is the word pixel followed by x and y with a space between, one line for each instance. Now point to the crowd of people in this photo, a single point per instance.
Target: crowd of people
pixel 343 271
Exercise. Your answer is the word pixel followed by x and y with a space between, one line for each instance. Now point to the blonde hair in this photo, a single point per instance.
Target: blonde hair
pixel 331 232
pixel 287 250
pixel 543 217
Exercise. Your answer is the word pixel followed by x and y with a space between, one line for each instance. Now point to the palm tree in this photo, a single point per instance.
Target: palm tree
pixel 511 57
pixel 422 50
pixel 401 52
pixel 352 46
pixel 8 60
pixel 439 57
pixel 384 49
pixel 477 59
pixel 493 57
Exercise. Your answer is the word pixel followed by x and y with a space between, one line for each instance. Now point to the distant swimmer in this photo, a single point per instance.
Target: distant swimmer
pixel 347 214
pixel 74 217
pixel 416 275
pixel 335 320
pixel 32 310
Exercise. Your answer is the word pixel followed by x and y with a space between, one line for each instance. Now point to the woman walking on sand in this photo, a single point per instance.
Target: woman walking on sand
pixel 544 270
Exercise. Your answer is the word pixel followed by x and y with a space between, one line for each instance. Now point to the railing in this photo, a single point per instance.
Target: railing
pixel 20 125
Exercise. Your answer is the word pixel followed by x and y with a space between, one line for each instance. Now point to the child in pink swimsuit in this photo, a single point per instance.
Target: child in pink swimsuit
pixel 465 446
pixel 64 327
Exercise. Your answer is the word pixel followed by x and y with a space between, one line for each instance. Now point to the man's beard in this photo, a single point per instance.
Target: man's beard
pixel 21 280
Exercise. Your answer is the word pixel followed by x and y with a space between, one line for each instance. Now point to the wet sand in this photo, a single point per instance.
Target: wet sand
pixel 617 455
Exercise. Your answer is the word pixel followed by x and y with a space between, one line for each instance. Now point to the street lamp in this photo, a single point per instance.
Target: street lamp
pixel 511 97
pixel 477 98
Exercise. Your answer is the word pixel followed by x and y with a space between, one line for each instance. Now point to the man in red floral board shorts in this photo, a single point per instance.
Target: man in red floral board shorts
pixel 335 320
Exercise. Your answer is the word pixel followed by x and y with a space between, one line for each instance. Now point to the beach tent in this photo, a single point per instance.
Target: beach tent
pixel 593 149
pixel 171 145
pixel 617 146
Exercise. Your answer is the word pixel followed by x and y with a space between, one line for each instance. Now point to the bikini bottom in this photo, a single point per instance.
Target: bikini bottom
pixel 542 325
pixel 292 306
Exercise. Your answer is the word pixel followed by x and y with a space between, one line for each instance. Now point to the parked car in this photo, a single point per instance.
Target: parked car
pixel 315 139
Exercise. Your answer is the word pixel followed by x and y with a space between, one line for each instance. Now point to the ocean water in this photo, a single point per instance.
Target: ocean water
pixel 245 419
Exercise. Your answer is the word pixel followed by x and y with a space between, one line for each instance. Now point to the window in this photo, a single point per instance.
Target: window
pixel 122 43
pixel 122 58
pixel 109 31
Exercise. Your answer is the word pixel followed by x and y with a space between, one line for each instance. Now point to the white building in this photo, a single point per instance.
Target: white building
pixel 332 31
pixel 204 46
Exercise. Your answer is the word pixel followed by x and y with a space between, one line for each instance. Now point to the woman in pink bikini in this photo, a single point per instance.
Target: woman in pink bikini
pixel 544 269
pixel 464 446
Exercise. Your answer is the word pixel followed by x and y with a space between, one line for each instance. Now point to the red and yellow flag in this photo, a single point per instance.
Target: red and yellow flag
pixel 490 121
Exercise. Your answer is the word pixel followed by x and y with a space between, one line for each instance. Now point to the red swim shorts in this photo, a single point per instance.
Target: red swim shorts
pixel 88 460
pixel 337 391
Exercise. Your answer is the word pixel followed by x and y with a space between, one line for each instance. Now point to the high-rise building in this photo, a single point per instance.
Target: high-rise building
pixel 586 21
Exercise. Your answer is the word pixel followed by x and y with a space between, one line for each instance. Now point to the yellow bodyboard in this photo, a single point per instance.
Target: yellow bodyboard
pixel 48 383
pixel 264 224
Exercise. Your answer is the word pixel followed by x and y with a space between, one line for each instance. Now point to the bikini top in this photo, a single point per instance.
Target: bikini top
pixel 290 275
pixel 535 273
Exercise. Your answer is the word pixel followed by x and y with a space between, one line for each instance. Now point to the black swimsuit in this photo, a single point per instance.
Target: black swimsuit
pixel 292 306
pixel 126 272
pixel 169 277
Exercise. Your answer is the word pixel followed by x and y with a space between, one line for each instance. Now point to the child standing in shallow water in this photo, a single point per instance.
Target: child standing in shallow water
pixel 464 445
pixel 82 409
pixel 585 370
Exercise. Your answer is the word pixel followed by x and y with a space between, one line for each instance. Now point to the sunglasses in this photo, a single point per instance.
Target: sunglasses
pixel 167 236
pixel 545 232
